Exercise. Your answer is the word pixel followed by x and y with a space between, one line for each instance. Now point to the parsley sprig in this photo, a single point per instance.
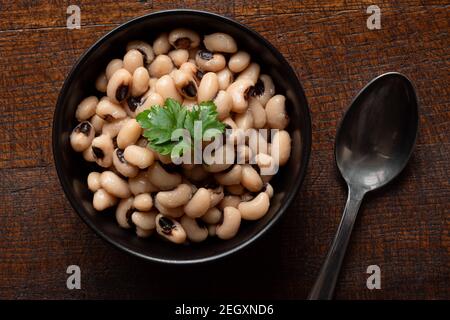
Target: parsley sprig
pixel 159 122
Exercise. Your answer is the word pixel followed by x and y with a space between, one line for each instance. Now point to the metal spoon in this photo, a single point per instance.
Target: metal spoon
pixel 373 144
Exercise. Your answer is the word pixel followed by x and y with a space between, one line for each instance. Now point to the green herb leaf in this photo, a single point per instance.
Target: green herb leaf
pixel 159 122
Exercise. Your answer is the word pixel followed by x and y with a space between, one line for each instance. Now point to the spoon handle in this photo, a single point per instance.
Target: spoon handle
pixel 326 281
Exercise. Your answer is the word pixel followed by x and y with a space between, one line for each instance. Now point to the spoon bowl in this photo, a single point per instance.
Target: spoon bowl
pixel 378 132
pixel 373 144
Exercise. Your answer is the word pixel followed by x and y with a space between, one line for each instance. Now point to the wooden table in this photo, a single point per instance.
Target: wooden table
pixel 404 229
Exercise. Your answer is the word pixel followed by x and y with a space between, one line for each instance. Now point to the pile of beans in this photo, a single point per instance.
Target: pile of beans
pixel 186 202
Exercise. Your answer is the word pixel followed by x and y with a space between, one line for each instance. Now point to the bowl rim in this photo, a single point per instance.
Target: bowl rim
pixel 306 138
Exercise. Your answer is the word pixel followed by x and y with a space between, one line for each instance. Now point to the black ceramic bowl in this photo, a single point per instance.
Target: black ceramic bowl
pixel 73 170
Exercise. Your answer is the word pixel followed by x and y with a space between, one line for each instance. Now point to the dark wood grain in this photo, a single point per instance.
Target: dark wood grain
pixel 404 228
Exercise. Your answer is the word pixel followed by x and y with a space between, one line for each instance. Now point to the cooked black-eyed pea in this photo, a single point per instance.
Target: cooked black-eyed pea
pixel 189 67
pixel 239 61
pixel 176 197
pixel 238 91
pixel 161 44
pixel 109 110
pixel 229 201
pixel 112 128
pixel 103 148
pixel 179 56
pixel 129 133
pixel 185 83
pixel 281 147
pixel 89 155
pixel 251 73
pixel 199 203
pixel 209 61
pixel 132 60
pixel 93 181
pixel 142 233
pixel 143 202
pixel 122 166
pixel 225 78
pixel 251 179
pixel 216 196
pixel 231 177
pixel 236 189
pixel 82 136
pixel 255 208
pixel 208 88
pixel 212 216
pixel 264 89
pixel 170 229
pixel 258 113
pixel 144 220
pixel 139 156
pixel 161 178
pixel 162 65
pixel 220 42
pixel 165 86
pixel 103 200
pixel 101 83
pixel 144 48
pixel 169 212
pixel 244 120
pixel 230 225
pixel 112 67
pixel 277 117
pixel 124 211
pixel 141 184
pixel 119 85
pixel 151 99
pixel 182 38
pixel 196 231
pixel 97 123
pixel 86 108
pixel 223 104
pixel 115 185
pixel 139 84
